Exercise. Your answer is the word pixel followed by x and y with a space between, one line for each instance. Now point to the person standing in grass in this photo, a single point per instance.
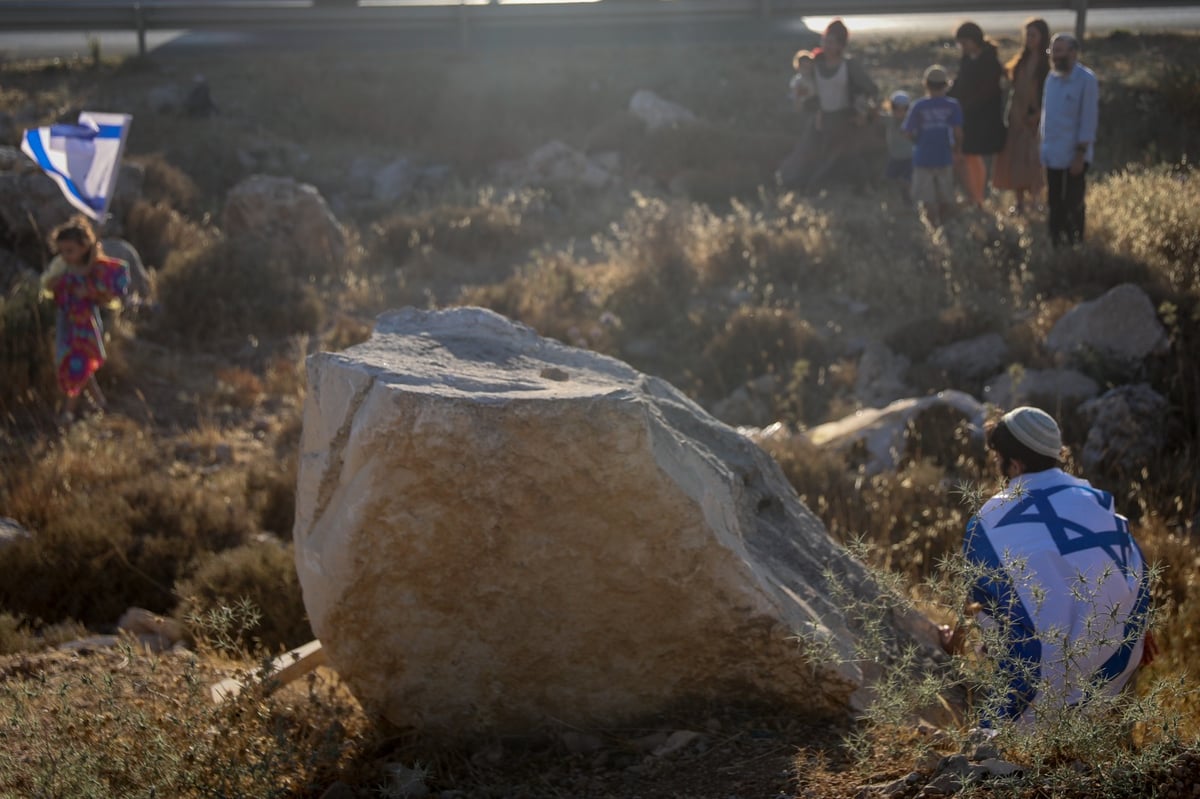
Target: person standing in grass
pixel 1018 168
pixel 934 123
pixel 977 89
pixel 899 146
pixel 1056 577
pixel 1070 116
pixel 843 97
pixel 81 279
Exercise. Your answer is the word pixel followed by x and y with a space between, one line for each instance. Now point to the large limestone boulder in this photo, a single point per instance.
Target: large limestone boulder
pixel 290 217
pixel 1121 325
pixel 494 530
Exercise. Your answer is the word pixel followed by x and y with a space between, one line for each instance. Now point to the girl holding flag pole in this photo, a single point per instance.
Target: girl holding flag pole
pixel 84 160
pixel 81 279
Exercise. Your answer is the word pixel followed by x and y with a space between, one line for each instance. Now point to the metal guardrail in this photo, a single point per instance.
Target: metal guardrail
pixel 123 15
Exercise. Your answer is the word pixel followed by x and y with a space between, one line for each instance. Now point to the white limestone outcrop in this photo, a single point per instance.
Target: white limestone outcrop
pixel 494 529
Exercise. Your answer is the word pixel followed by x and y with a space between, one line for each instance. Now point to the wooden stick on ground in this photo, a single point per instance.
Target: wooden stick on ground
pixel 284 669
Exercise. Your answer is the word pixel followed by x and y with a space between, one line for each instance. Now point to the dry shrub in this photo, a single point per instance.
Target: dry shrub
pixel 27 373
pixel 1151 216
pixel 491 223
pixel 113 524
pixel 225 290
pixel 700 146
pixel 156 230
pixel 271 484
pixel 552 295
pixel 920 337
pixel 164 183
pixel 20 634
pixel 240 387
pixel 719 183
pixel 771 248
pixel 621 131
pixel 264 573
pixel 125 723
pixel 757 341
pixel 903 517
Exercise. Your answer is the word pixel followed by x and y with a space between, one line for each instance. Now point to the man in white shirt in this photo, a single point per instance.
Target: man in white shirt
pixel 1070 115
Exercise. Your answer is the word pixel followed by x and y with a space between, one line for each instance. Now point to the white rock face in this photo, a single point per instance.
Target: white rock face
pixel 657 112
pixel 556 163
pixel 1121 324
pixel 494 529
pixel 880 432
pixel 292 218
pixel 1045 387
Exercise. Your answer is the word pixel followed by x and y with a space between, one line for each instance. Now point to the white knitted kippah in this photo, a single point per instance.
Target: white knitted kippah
pixel 1035 429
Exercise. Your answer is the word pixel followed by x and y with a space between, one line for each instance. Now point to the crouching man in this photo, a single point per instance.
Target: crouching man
pixel 1057 582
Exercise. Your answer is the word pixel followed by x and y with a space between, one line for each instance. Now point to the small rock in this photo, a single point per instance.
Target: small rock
pixel 677 742
pixel 554 373
pixel 648 743
pixel 995 767
pixel 143 623
pixel 944 784
pixel 985 751
pixel 956 765
pixel 656 112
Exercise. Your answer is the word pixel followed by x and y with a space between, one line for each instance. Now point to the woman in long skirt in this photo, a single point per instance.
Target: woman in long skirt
pixel 1019 168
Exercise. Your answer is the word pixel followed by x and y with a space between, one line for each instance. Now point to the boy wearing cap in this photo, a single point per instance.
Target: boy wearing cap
pixel 1057 579
pixel 934 123
pixel 899 146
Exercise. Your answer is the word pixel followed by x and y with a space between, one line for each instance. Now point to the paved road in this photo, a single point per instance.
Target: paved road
pixel 164 43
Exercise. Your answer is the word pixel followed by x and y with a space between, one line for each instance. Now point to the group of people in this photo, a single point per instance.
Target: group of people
pixel 1038 136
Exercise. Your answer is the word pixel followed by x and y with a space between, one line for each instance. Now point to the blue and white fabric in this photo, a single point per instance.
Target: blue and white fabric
pixel 1064 588
pixel 83 159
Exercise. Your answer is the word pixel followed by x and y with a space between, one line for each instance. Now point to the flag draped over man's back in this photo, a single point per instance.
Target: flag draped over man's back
pixel 83 159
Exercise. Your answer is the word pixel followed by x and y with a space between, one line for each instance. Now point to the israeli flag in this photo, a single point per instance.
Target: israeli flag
pixel 83 159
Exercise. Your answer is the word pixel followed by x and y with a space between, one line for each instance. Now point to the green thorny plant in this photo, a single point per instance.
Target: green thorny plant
pixel 1079 722
pixel 222 628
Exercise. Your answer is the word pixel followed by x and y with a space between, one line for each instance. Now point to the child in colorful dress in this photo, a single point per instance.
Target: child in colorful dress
pixel 81 279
